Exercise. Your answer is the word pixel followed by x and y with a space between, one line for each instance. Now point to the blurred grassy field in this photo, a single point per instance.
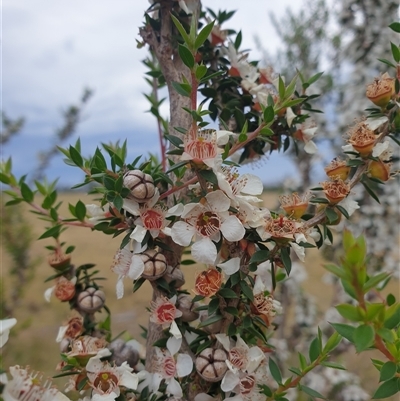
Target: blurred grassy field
pixel 32 341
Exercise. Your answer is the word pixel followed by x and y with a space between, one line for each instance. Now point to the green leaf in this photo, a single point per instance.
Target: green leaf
pixel 5 179
pixel 26 193
pixel 182 31
pixel 238 40
pixel 315 78
pixel 75 156
pixel 363 337
pixel 201 70
pixel 331 215
pixel 387 62
pixel 260 256
pixel 210 320
pixel 175 140
pixel 227 293
pixel 247 291
pixel 269 114
pixel 387 389
pixel 275 372
pixel 392 316
pixel 80 210
pixel 203 35
pixel 336 270
pixel 349 312
pixel 333 341
pixel 232 310
pixel 287 262
pixel 374 281
pixel 186 56
pixel 51 232
pixel 388 371
pixel 118 202
pixel 386 334
pixel 182 89
pixel 314 350
pixel 311 392
pixel 395 26
pixel 333 365
pixel 395 52
pixel 209 176
pixel 281 88
pixel 344 330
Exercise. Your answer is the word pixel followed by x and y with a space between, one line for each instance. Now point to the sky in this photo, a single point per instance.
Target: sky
pixel 52 50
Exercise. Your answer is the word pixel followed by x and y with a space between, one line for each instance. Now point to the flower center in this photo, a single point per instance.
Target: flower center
pixel 208 282
pixel 169 366
pixel 237 357
pixel 247 384
pixel 208 224
pixel 105 382
pixel 166 313
pixel 152 219
pixel 202 147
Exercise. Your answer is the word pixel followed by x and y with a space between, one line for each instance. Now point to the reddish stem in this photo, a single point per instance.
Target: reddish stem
pixel 381 347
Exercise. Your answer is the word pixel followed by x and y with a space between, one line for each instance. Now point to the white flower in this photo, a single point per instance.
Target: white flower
pixel 106 379
pixel 306 132
pixel 374 123
pixel 27 385
pixel 241 359
pixel 206 222
pixel 152 218
pixel 126 264
pixel 5 326
pixel 380 148
pixel 96 212
pixel 164 312
pixel 170 364
pixel 231 266
pixel 349 205
pixel 290 116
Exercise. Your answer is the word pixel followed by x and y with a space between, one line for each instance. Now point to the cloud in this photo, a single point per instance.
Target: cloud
pixel 53 49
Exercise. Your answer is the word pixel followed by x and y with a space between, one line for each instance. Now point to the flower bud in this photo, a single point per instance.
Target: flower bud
pixel 187 306
pixel 91 300
pixel 140 184
pixel 122 352
pixel 155 264
pixel 174 274
pixel 211 365
pixel 379 169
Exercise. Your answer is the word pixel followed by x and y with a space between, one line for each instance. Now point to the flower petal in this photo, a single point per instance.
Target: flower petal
pixel 218 201
pixel 224 340
pixel 120 287
pixel 129 380
pixel 253 186
pixel 182 233
pixel 299 250
pixel 310 148
pixel 229 382
pixel 232 229
pixel 204 251
pixel 136 267
pixel 174 345
pixel 48 293
pixel 174 388
pixel 231 266
pixel 174 330
pixel 138 234
pixel 184 365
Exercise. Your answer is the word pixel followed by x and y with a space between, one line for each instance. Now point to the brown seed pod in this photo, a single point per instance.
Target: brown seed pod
pixel 140 184
pixel 187 306
pixel 155 264
pixel 91 300
pixel 211 365
pixel 213 328
pixel 174 274
pixel 122 352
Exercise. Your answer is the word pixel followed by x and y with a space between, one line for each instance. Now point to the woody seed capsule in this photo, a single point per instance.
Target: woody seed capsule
pixel 91 300
pixel 140 184
pixel 187 306
pixel 155 264
pixel 211 364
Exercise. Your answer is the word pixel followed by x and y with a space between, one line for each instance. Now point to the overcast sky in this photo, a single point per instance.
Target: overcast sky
pixel 51 50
